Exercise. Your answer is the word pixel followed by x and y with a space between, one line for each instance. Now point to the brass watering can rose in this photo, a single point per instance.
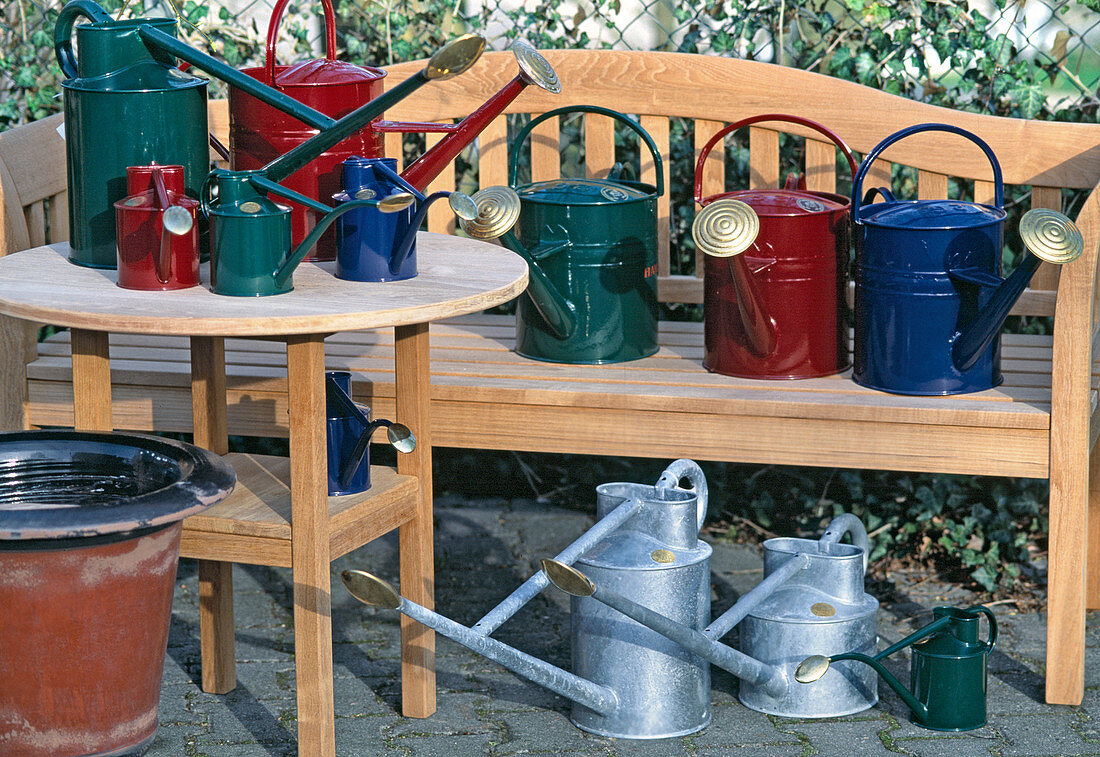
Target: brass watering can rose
pixel 1049 235
pixel 455 57
pixel 497 212
pixel 536 69
pixel 725 228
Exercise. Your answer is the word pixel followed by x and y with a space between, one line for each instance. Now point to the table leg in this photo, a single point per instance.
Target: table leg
pixel 91 381
pixel 208 408
pixel 413 389
pixel 309 545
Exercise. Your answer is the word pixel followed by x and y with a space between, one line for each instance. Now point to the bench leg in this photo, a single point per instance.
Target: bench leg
pixel 417 567
pixel 1066 582
pixel 17 343
pixel 1093 597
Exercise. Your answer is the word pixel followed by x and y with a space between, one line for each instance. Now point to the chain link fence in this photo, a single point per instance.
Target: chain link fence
pixel 1028 58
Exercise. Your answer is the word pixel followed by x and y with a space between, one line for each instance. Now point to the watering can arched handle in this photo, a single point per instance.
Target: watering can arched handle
pixel 513 156
pixel 705 152
pixel 689 469
pixel 273 35
pixel 865 166
pixel 992 640
pixel 846 523
pixel 63 31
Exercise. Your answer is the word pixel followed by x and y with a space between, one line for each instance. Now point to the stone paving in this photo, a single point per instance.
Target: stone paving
pixel 484 549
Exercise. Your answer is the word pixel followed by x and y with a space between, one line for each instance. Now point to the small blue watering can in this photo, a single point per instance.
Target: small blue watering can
pixel 930 301
pixel 348 431
pixel 376 246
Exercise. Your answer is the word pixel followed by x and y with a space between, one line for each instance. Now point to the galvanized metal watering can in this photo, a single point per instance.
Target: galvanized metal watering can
pixel 250 244
pixel 591 246
pixel 811 598
pixel 929 298
pixel 258 133
pixel 947 669
pixel 125 105
pixel 376 246
pixel 158 239
pixel 776 311
pixel 348 432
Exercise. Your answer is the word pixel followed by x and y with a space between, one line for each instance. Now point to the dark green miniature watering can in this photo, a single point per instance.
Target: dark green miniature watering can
pixel 592 250
pixel 947 672
pixel 250 250
pixel 125 105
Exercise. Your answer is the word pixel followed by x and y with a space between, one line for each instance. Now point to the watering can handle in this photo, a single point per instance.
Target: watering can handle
pixel 273 35
pixel 63 31
pixel 865 166
pixel 513 157
pixel 836 140
pixel 992 640
pixel 847 523
pixel 689 469
pixel 885 193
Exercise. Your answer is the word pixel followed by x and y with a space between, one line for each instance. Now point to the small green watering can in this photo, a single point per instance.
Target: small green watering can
pixel 947 673
pixel 250 250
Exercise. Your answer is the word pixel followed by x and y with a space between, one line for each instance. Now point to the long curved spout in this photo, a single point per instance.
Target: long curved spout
pixel 534 69
pixel 559 313
pixel 373 591
pixel 572 581
pixel 759 327
pixel 919 709
pixel 1049 236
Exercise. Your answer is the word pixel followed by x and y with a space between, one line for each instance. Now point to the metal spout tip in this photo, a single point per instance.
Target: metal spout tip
pixel 497 212
pixel 568 579
pixel 401 437
pixel 455 57
pixel 725 228
pixel 177 220
pixel 1051 236
pixel 396 202
pixel 371 590
pixel 535 68
pixel 811 669
pixel 463 206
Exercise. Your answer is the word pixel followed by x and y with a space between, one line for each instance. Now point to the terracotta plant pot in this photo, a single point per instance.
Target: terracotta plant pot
pixel 89 542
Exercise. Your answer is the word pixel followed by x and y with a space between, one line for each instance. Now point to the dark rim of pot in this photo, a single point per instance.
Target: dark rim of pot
pixel 197 479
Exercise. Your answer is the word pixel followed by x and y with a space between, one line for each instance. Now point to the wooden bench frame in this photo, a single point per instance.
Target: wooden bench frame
pixel 1041 423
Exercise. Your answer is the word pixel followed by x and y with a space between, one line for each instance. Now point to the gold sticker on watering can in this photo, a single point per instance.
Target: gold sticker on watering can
pixel 614 194
pixel 251 207
pixel 823 609
pixel 662 556
pixel 365 194
pixel 811 206
pixel 133 202
pixel 1051 236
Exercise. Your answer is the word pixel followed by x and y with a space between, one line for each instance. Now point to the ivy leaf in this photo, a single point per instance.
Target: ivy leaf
pixel 1029 98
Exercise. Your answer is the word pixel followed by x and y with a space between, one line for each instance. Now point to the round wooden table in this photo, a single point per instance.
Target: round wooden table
pixel 308 529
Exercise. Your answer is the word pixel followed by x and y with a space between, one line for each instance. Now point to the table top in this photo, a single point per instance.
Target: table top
pixel 456 276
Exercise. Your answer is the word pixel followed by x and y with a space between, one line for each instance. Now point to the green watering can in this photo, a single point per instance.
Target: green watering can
pixel 947 672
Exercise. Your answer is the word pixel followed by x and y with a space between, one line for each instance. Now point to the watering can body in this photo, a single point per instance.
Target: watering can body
pixel 948 675
pixel 657 559
pixel 822 609
pixel 259 133
pixel 793 275
pixel 924 270
pixel 366 238
pixel 141 233
pixel 124 106
pixel 594 245
pixel 249 241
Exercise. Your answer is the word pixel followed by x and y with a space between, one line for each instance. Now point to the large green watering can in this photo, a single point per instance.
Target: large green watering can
pixel 126 104
pixel 947 670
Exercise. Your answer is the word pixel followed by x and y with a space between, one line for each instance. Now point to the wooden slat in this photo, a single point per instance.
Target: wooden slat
pixel 820 166
pixel 713 178
pixel 545 150
pixel 492 162
pixel 440 217
pixel 658 128
pixel 878 175
pixel 763 158
pixel 1046 197
pixel 984 192
pixel 931 186
pixel 599 145
pixel 392 141
pixel 36 222
pixel 91 381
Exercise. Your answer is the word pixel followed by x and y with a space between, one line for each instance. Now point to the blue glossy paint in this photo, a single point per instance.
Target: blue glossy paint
pixel 366 238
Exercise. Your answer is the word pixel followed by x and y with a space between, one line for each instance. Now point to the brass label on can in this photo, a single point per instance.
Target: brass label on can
pixel 823 609
pixel 250 207
pixel 614 194
pixel 365 194
pixel 134 202
pixel 662 556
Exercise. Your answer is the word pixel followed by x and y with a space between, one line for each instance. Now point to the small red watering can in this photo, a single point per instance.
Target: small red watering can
pixel 775 312
pixel 158 239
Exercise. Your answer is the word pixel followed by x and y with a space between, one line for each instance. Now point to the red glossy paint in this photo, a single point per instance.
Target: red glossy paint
pixel 139 218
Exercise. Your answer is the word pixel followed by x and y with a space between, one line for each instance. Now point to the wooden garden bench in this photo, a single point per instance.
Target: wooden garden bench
pixel 1041 423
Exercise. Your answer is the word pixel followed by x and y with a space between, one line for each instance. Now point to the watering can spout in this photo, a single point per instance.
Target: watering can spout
pixel 726 228
pixel 815 666
pixel 377 593
pixel 767 677
pixel 1049 236
pixel 534 69
pixel 498 210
